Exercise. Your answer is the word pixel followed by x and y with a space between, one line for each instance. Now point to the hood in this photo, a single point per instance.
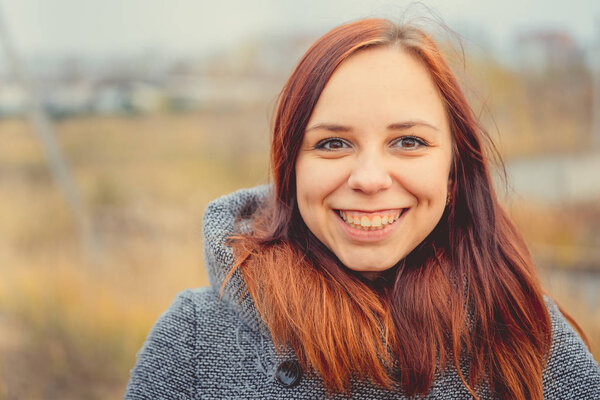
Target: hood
pixel 219 223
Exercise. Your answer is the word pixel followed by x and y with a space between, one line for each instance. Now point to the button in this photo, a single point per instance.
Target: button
pixel 289 373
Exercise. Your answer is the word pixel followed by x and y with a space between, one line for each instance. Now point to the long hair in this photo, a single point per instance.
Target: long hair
pixel 467 296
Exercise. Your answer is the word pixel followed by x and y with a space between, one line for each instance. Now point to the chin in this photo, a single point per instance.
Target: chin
pixel 369 266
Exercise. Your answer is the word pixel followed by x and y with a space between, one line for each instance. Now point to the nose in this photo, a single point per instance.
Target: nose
pixel 370 175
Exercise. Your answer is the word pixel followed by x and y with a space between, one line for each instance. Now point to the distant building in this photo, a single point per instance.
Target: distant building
pixel 251 73
pixel 110 99
pixel 13 99
pixel 545 50
pixel 68 98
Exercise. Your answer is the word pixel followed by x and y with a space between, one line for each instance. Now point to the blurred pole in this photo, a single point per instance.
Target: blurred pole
pixel 44 131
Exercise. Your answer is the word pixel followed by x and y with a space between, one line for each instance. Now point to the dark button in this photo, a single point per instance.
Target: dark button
pixel 289 373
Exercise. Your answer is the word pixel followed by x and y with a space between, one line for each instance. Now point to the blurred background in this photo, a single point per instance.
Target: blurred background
pixel 121 120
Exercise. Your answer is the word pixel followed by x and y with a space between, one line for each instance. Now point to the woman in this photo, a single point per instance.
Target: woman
pixel 379 264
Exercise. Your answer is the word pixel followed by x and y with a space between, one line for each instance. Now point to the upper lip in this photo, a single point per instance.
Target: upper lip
pixel 380 210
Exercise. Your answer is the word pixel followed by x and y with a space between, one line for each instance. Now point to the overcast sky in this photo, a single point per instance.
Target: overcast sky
pixel 102 27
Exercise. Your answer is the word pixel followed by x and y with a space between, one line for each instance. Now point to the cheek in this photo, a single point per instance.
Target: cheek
pixel 316 179
pixel 426 181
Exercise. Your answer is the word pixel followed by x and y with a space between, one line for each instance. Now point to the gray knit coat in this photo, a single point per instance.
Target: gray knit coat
pixel 206 347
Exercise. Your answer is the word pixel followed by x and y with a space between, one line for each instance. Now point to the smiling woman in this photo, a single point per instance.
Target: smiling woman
pixel 379 263
pixel 365 159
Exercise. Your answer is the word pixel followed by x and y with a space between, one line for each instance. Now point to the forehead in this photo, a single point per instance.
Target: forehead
pixel 385 84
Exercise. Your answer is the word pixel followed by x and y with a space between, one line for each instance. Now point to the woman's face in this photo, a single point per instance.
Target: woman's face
pixel 372 172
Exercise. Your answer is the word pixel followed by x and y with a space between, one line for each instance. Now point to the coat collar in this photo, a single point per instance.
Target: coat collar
pixel 224 217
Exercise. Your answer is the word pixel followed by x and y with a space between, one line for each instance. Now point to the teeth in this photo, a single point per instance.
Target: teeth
pixel 373 222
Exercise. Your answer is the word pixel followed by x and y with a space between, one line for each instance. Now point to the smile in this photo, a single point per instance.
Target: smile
pixel 367 227
pixel 370 221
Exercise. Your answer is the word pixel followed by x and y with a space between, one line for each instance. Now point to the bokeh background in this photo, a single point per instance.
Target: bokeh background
pixel 121 120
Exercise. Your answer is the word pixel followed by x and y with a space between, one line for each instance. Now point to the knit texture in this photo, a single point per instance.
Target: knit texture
pixel 206 347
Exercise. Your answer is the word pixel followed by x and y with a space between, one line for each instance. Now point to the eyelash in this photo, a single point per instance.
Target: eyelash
pixel 321 145
pixel 420 142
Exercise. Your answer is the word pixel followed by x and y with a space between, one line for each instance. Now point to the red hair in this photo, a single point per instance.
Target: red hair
pixel 468 292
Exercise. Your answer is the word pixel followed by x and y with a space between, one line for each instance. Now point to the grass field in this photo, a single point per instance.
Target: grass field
pixel 70 329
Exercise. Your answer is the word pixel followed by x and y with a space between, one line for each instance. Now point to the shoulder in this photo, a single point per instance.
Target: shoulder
pixel 192 311
pixel 572 372
pixel 167 361
pixel 182 316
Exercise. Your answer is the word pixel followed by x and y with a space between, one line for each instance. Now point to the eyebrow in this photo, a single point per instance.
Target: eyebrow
pixel 394 126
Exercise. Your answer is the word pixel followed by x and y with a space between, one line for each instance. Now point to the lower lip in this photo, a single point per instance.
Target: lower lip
pixel 361 235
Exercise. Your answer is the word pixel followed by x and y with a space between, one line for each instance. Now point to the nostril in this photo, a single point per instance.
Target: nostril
pixel 369 180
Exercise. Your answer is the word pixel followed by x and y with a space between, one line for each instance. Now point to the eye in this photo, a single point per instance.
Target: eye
pixel 410 142
pixel 332 144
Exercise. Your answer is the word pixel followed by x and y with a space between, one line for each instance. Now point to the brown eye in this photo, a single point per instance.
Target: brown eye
pixel 332 144
pixel 410 143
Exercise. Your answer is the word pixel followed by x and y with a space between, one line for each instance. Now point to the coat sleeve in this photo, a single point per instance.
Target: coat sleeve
pixel 166 364
pixel 572 372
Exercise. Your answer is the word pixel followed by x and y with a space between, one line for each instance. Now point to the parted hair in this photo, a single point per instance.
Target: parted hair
pixel 468 296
